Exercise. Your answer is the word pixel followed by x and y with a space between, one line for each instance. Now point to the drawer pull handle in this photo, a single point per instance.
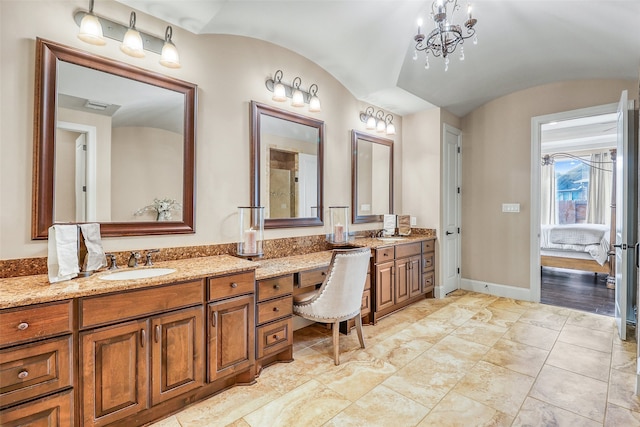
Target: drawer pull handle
pixel 22 326
pixel 157 333
pixel 234 285
pixel 324 273
pixel 214 319
pixel 276 309
pixel 143 337
pixel 23 374
pixel 276 337
pixel 276 287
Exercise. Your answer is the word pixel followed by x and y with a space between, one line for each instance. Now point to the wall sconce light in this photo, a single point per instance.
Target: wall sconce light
pixel 378 121
pixel 93 30
pixel 299 97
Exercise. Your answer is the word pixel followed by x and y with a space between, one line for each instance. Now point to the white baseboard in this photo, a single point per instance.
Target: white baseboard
pixel 523 294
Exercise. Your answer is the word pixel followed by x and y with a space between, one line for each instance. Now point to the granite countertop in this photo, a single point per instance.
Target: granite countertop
pixel 28 290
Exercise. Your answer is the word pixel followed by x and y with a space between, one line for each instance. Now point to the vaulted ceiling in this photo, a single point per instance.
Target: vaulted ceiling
pixel 368 44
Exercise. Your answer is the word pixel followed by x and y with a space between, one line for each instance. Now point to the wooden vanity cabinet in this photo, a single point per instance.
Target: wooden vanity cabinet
pixel 398 277
pixel 274 320
pixel 36 370
pixel 231 327
pixel 150 349
pixel 428 266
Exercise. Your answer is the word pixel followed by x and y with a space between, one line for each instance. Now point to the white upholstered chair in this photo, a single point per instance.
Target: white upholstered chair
pixel 340 295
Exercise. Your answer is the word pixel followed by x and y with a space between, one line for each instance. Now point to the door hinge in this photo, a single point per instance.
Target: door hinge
pixel 84 147
pixel 458 270
pixel 458 150
pixel 84 188
pixel 458 230
pixel 458 190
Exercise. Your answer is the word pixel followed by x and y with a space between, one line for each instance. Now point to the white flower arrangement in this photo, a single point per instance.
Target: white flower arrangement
pixel 162 208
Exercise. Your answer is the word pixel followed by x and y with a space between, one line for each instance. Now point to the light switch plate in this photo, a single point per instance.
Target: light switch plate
pixel 414 221
pixel 511 207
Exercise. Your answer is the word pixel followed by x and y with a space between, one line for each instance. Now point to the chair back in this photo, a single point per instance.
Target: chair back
pixel 340 295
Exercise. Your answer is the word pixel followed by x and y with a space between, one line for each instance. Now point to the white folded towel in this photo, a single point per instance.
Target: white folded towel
pixel 62 262
pixel 95 253
pixel 389 225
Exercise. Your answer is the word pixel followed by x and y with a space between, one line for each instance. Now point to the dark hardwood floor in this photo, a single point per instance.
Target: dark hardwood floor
pixel 581 290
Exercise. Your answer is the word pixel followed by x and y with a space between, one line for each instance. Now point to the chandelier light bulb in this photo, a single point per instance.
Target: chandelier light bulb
pixel 446 64
pixel 469 11
pixel 461 53
pixel 415 55
pixel 475 39
pixel 426 64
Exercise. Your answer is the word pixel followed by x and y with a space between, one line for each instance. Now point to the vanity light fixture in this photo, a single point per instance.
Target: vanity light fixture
pixel 132 42
pixel 299 97
pixel 90 28
pixel 378 121
pixel 94 29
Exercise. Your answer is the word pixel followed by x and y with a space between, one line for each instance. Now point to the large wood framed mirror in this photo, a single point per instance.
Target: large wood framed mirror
pixel 371 177
pixel 286 166
pixel 113 144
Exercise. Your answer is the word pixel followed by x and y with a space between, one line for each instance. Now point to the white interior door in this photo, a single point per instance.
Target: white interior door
pixel 308 188
pixel 81 178
pixel 622 206
pixel 450 241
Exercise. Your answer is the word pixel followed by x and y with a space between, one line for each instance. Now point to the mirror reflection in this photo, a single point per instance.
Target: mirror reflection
pixel 113 144
pixel 118 148
pixel 372 176
pixel 287 167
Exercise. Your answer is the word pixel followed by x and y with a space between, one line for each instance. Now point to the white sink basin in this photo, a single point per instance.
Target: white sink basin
pixel 391 239
pixel 143 273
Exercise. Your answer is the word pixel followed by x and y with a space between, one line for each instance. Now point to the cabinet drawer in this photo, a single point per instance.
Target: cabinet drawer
pixel 408 249
pixel 119 307
pixel 34 322
pixel 32 370
pixel 52 411
pixel 384 254
pixel 311 277
pixel 274 337
pixel 275 309
pixel 429 246
pixel 428 262
pixel 429 281
pixel 229 286
pixel 271 288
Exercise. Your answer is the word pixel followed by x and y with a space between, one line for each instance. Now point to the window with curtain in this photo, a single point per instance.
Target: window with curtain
pixel 572 190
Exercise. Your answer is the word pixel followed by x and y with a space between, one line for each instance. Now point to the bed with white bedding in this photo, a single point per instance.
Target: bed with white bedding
pixel 575 246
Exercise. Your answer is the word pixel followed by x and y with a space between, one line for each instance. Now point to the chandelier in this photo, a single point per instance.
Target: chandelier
pixel 446 36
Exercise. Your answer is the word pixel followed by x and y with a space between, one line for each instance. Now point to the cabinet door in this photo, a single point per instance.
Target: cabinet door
pixel 384 285
pixel 177 355
pixel 231 336
pixel 415 276
pixel 52 411
pixel 403 279
pixel 114 372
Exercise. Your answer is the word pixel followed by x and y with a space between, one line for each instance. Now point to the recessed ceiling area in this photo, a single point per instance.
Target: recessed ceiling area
pixel 368 45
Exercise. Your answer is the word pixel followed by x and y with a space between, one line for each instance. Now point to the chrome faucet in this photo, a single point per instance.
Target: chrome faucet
pixel 133 259
pixel 112 258
pixel 148 256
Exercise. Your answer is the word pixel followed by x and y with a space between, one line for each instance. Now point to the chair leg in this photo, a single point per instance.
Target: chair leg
pixel 336 343
pixel 359 329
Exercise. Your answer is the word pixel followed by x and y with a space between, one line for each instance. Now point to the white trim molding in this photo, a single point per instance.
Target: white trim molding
pixel 522 294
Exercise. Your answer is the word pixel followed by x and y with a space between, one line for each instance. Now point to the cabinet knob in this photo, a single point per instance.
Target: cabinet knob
pixel 234 285
pixel 276 287
pixel 23 374
pixel 275 337
pixel 22 326
pixel 276 309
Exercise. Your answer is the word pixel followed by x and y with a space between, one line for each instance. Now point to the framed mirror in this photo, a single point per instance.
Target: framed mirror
pixel 113 144
pixel 371 177
pixel 286 167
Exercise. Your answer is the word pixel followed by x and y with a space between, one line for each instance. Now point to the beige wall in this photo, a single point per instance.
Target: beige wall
pixel 496 169
pixel 230 72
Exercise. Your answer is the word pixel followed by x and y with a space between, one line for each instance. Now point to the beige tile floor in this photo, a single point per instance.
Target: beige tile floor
pixel 467 360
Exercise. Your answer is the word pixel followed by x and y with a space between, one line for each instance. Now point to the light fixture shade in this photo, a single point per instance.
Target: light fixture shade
pixel 91 30
pixel 371 122
pixel 391 129
pixel 381 126
pixel 279 92
pixel 132 44
pixel 170 57
pixel 297 99
pixel 314 104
